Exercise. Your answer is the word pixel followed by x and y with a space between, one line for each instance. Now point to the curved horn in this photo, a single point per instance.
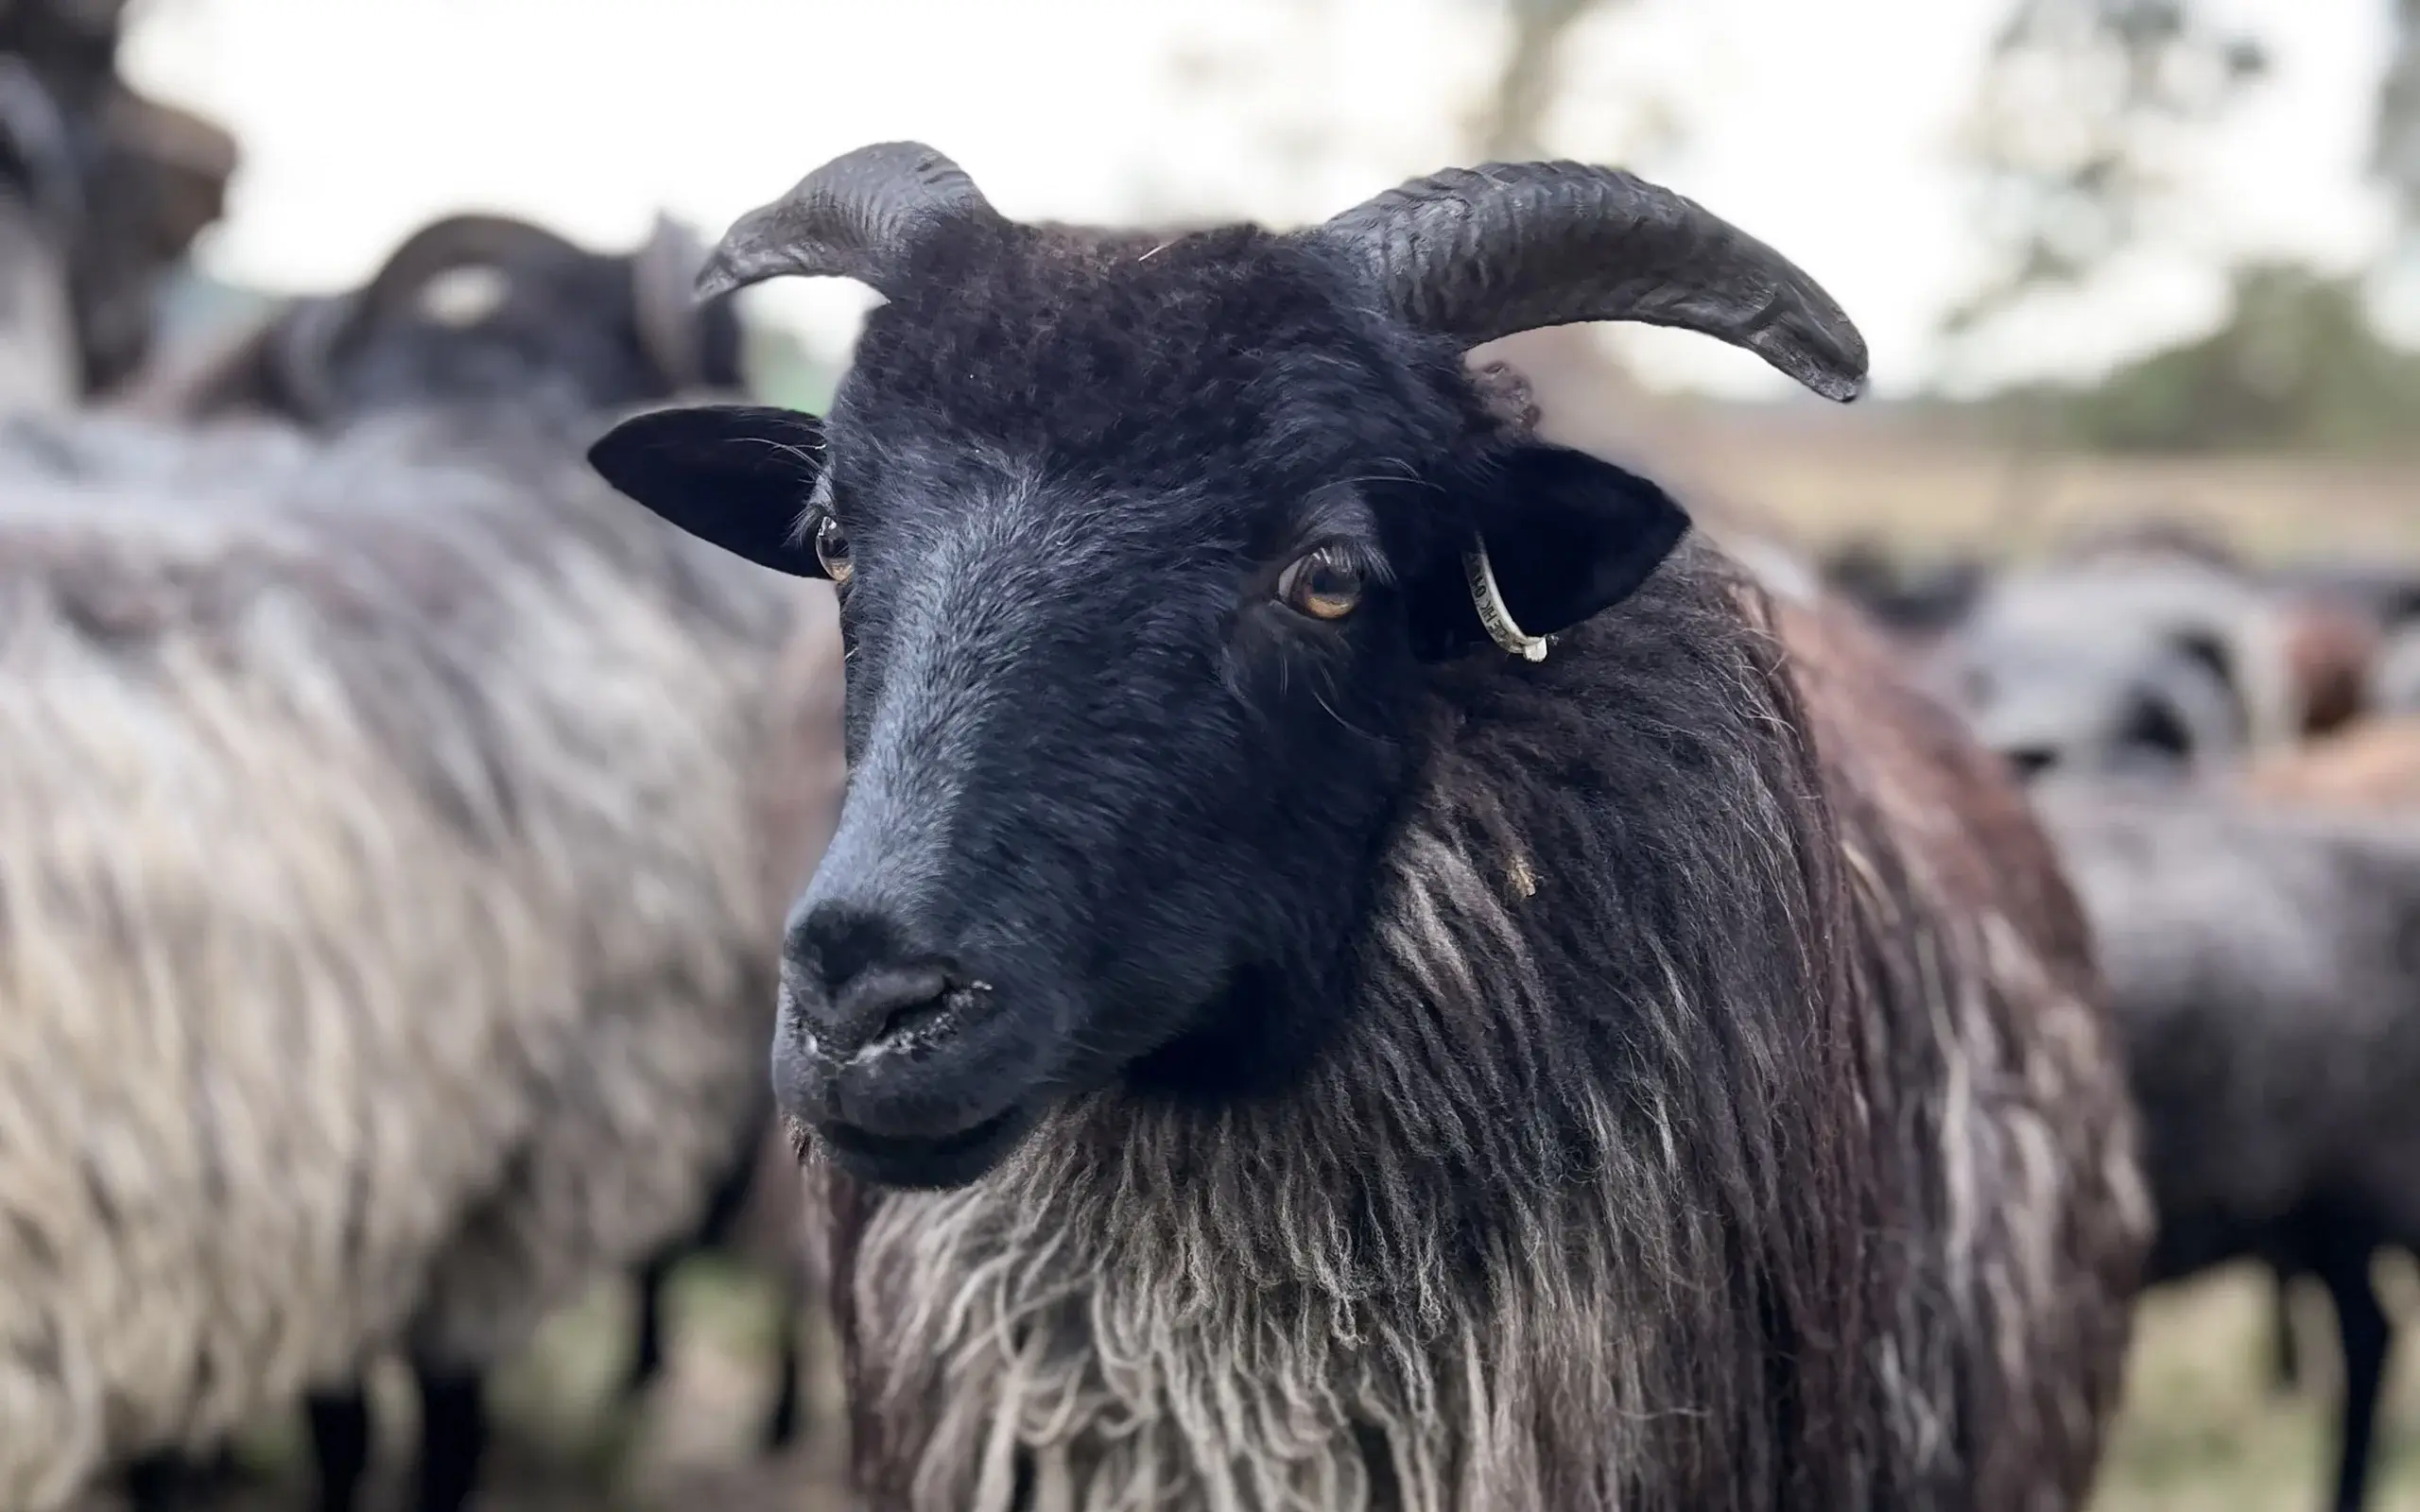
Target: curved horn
pixel 1481 254
pixel 442 246
pixel 324 331
pixel 662 275
pixel 853 217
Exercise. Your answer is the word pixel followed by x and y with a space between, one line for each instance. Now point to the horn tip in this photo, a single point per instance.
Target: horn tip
pixel 715 279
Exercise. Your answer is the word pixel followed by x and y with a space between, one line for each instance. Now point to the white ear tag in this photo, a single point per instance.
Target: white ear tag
pixel 1491 610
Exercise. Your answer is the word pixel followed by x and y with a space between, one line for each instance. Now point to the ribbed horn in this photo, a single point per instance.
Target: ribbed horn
pixel 1481 254
pixel 856 218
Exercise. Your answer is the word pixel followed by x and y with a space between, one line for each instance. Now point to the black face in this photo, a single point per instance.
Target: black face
pixel 1145 565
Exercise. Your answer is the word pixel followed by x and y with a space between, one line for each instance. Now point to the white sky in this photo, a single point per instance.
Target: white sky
pixel 1823 127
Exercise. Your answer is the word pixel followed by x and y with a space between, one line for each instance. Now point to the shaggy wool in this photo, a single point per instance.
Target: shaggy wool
pixel 1829 1201
pixel 386 909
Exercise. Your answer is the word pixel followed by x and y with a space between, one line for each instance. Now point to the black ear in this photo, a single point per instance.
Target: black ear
pixel 738 475
pixel 1567 535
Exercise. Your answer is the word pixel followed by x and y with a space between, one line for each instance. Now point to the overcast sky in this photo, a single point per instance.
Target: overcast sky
pixel 1824 128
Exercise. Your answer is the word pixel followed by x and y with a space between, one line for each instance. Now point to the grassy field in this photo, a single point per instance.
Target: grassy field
pixel 1932 496
pixel 1923 484
pixel 2201 1430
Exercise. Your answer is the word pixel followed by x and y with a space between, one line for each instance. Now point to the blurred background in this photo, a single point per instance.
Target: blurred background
pixel 2150 260
pixel 2111 254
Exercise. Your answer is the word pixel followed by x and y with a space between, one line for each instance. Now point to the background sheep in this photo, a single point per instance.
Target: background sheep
pixel 2394 685
pixel 391 902
pixel 1417 1077
pixel 2124 661
pixel 2261 970
pixel 485 309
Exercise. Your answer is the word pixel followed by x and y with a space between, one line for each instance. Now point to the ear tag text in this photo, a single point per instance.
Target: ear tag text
pixel 1489 599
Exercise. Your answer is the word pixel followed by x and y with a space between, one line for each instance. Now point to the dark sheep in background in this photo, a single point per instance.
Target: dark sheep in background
pixel 1265 1045
pixel 1915 603
pixel 469 309
pixel 2262 970
pixel 2153 649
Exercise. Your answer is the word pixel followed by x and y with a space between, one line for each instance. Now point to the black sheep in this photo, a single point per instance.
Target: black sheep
pixel 1275 1033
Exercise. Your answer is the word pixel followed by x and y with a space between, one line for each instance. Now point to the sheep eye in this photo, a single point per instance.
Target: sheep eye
pixel 832 549
pixel 1321 584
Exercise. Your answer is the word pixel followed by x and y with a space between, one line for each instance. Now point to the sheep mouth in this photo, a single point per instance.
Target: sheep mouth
pixel 928 1161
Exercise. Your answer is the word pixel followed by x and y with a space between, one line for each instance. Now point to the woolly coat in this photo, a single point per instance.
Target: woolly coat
pixel 386 904
pixel 1728 1120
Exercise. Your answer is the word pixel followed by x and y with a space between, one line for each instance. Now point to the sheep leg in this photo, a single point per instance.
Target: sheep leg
pixel 781 1427
pixel 160 1483
pixel 2285 1359
pixel 172 1480
pixel 647 1354
pixel 340 1444
pixel 2367 1335
pixel 453 1437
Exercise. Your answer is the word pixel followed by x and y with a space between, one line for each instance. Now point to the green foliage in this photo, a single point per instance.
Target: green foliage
pixel 2297 365
pixel 781 369
pixel 1526 81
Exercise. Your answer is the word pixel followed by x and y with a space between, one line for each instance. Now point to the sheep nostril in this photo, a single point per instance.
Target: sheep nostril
pixel 888 1007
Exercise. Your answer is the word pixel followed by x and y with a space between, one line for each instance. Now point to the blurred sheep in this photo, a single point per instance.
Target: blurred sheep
pixel 390 887
pixel 2261 972
pixel 2150 650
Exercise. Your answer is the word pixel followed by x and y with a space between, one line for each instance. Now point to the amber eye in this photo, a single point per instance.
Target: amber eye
pixel 832 549
pixel 1321 584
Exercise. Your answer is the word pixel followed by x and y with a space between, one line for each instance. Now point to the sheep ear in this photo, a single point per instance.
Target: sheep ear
pixel 1560 536
pixel 738 475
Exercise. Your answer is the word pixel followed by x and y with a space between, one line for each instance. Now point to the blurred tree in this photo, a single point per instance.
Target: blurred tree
pixel 2394 149
pixel 2086 108
pixel 1510 118
pixel 2296 366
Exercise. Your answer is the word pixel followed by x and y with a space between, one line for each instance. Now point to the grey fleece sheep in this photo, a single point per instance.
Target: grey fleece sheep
pixel 347 998
pixel 488 310
pixel 387 891
pixel 2124 661
pixel 2262 971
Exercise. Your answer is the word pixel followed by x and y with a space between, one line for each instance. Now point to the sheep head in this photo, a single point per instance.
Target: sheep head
pixel 480 309
pixel 1161 558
